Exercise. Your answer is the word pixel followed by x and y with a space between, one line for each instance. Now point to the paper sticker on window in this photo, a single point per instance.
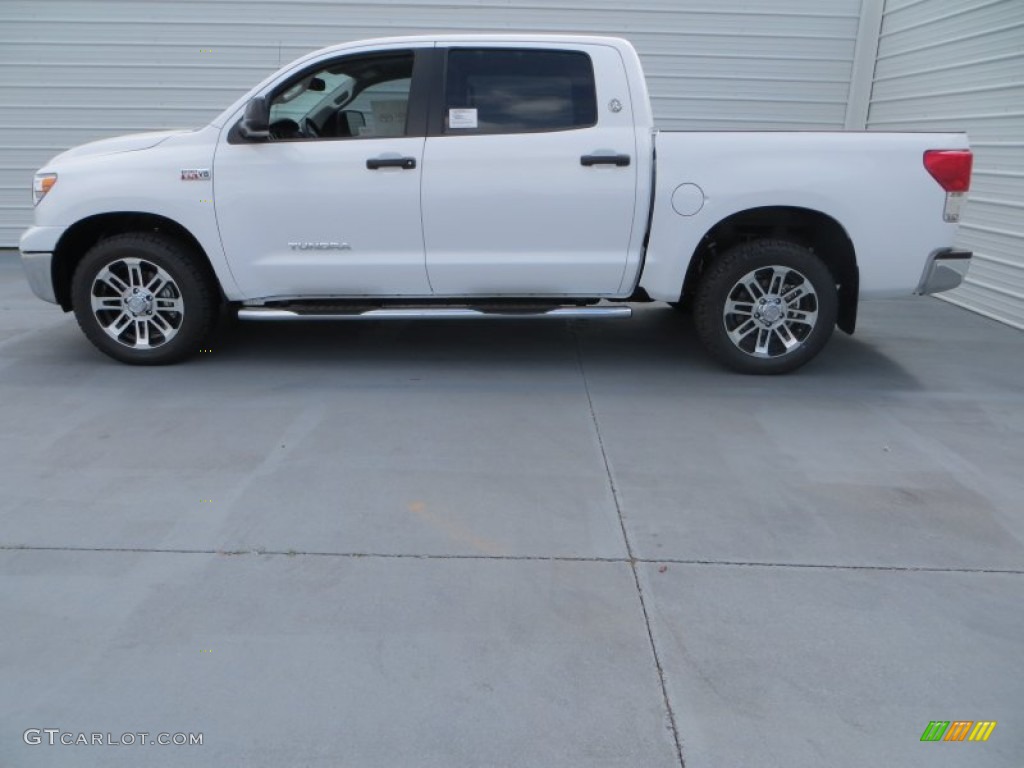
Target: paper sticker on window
pixel 462 118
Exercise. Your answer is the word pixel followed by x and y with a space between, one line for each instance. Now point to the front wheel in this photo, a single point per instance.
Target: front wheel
pixel 767 306
pixel 144 298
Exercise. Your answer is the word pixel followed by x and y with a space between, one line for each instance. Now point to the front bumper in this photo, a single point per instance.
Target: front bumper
pixel 945 270
pixel 40 278
pixel 37 246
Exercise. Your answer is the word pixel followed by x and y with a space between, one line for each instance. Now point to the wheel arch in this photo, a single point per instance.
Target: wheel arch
pixel 812 229
pixel 85 233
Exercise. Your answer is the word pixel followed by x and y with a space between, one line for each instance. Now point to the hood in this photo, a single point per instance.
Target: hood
pixel 129 143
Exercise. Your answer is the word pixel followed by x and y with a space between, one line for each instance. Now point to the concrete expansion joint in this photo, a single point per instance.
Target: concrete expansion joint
pixel 631 561
pixel 673 726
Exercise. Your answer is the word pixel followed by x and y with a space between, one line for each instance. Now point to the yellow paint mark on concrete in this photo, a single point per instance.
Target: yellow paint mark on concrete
pixel 455 530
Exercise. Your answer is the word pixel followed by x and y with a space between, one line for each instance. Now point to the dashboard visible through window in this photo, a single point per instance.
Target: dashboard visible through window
pixel 355 97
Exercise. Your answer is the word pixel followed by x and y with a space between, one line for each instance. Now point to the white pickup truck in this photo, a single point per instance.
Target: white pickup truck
pixel 488 176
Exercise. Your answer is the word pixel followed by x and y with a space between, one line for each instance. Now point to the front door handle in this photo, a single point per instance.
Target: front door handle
pixel 405 163
pixel 620 161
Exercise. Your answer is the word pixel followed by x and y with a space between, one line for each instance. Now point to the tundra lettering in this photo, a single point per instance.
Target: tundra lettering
pixel 320 246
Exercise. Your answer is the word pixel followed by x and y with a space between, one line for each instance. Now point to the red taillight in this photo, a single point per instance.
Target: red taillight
pixel 950 167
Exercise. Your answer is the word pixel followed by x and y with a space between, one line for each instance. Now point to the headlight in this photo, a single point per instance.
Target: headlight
pixel 41 184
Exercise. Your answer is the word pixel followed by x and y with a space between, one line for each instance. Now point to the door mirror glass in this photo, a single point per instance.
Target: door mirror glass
pixel 256 120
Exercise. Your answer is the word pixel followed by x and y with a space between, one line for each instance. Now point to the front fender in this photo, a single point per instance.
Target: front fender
pixel 148 181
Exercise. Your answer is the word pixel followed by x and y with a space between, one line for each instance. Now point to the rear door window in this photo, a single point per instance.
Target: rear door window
pixel 518 91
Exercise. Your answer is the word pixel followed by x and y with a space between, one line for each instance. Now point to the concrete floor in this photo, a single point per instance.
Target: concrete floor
pixel 512 544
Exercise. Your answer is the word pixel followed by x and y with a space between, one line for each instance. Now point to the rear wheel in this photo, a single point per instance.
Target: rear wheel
pixel 144 298
pixel 767 306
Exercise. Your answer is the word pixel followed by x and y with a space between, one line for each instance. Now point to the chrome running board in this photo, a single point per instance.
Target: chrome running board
pixel 431 313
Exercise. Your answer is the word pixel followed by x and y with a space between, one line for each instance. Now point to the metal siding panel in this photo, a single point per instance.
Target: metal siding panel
pixel 79 70
pixel 989 215
pixel 951 65
pixel 993 153
pixel 895 58
pixel 932 21
pixel 996 99
pixel 999 184
pixel 945 76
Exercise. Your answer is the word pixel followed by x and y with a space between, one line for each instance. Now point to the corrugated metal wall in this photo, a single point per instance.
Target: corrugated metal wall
pixel 959 64
pixel 76 70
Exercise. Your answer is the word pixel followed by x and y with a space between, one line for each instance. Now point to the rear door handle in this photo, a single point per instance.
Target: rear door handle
pixel 405 163
pixel 620 161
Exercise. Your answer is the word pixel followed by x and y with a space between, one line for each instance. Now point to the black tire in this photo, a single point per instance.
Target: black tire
pixel 788 322
pixel 105 294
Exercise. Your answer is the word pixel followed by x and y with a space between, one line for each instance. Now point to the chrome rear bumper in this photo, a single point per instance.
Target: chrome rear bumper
pixel 945 270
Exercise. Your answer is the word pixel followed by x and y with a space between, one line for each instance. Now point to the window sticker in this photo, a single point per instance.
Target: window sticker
pixel 462 118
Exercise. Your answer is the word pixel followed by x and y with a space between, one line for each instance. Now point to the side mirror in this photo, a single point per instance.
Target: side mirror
pixel 256 119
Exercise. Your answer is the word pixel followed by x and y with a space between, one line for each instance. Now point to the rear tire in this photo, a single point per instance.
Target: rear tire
pixel 766 307
pixel 144 298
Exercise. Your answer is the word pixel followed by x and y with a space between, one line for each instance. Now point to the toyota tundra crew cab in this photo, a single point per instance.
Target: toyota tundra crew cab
pixel 484 177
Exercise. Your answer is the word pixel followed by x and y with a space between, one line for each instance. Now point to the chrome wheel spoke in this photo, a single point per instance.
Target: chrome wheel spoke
pixel 119 325
pixel 141 332
pixel 764 337
pixel 801 317
pixel 135 279
pixel 777 279
pixel 162 324
pixel 741 332
pixel 797 292
pixel 786 337
pixel 753 287
pixel 739 307
pixel 157 283
pixel 111 280
pixel 168 305
pixel 107 304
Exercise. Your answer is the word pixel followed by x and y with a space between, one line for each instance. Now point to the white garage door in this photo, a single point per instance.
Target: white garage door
pixel 959 64
pixel 76 70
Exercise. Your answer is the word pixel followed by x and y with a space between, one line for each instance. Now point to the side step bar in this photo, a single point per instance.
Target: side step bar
pixel 430 313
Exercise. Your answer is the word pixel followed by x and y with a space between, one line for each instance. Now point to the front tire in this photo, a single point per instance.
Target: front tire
pixel 766 307
pixel 144 298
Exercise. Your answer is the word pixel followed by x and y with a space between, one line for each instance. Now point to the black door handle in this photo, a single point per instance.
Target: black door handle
pixel 620 161
pixel 406 163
